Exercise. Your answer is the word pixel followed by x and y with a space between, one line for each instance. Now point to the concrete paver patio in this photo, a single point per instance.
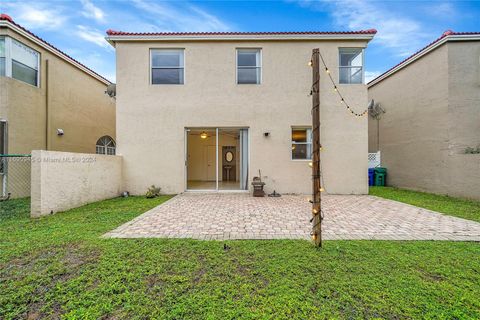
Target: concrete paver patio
pixel 223 216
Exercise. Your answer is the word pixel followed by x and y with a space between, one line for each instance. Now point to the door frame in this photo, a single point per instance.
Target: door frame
pixel 186 130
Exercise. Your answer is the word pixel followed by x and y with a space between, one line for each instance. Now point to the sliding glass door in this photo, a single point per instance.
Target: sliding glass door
pixel 216 159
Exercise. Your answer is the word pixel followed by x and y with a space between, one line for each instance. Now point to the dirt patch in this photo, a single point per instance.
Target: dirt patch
pixel 58 263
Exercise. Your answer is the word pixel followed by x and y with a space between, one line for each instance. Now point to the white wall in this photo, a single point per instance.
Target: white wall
pixel 64 180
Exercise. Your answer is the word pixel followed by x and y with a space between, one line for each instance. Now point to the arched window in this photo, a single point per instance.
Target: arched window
pixel 105 145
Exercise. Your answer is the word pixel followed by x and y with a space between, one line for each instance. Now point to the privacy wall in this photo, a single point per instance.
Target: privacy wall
pixel 64 180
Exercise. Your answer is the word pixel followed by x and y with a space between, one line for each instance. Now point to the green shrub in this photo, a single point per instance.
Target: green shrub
pixel 152 192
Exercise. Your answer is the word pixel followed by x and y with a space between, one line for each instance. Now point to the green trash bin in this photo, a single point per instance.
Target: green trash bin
pixel 380 176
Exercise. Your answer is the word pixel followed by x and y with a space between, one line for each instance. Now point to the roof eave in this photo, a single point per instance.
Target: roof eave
pixel 454 37
pixel 113 38
pixel 10 25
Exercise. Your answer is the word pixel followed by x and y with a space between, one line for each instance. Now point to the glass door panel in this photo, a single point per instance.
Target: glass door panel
pixel 201 153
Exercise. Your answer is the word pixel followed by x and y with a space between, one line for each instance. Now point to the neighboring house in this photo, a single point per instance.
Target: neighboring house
pixel 208 111
pixel 48 100
pixel 432 118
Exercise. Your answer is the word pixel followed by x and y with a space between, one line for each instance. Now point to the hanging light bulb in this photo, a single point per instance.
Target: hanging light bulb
pixel 203 135
pixel 335 89
pixel 328 71
pixel 310 164
pixel 315 211
pixel 310 63
pixel 321 189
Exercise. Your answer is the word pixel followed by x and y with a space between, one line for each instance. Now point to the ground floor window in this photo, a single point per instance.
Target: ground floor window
pixel 301 143
pixel 105 145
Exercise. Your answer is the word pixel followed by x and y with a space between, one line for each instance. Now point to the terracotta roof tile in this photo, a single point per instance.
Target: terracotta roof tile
pixel 111 32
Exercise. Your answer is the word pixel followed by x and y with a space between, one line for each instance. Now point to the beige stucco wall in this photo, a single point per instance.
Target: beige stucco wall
pixel 151 119
pixel 76 101
pixel 63 180
pixel 432 114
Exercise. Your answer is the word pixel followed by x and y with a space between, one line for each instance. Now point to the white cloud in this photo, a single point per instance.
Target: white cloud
pixel 441 10
pixel 180 18
pixel 401 34
pixel 36 16
pixel 93 35
pixel 370 75
pixel 92 11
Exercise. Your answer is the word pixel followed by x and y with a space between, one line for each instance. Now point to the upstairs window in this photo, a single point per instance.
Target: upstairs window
pixel 105 145
pixel 249 66
pixel 19 61
pixel 24 63
pixel 351 65
pixel 301 143
pixel 167 66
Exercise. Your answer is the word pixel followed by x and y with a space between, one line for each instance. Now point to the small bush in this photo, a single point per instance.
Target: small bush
pixel 471 150
pixel 152 192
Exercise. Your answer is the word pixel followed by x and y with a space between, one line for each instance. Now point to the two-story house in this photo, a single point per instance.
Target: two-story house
pixel 209 111
pixel 430 132
pixel 48 101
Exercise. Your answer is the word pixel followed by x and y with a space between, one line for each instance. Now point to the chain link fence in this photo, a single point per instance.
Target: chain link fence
pixel 15 172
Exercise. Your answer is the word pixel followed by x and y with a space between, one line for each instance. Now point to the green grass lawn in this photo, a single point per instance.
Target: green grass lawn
pixel 59 266
pixel 466 209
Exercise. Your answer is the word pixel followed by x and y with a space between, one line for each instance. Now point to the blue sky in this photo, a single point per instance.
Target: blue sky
pixel 78 27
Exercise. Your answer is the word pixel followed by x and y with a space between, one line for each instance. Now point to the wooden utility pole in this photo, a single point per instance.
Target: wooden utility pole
pixel 316 181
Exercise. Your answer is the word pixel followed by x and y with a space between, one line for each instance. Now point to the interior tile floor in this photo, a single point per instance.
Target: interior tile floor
pixel 211 185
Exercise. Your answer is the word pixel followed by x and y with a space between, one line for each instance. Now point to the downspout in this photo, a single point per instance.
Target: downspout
pixel 47 122
pixel 378 134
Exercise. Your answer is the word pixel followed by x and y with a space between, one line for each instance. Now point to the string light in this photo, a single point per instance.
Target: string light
pixel 335 88
pixel 315 211
pixel 321 190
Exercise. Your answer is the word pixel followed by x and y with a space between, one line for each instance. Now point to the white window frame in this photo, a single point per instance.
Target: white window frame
pixel 151 67
pixel 106 148
pixel 308 142
pixel 350 67
pixel 260 67
pixel 8 60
